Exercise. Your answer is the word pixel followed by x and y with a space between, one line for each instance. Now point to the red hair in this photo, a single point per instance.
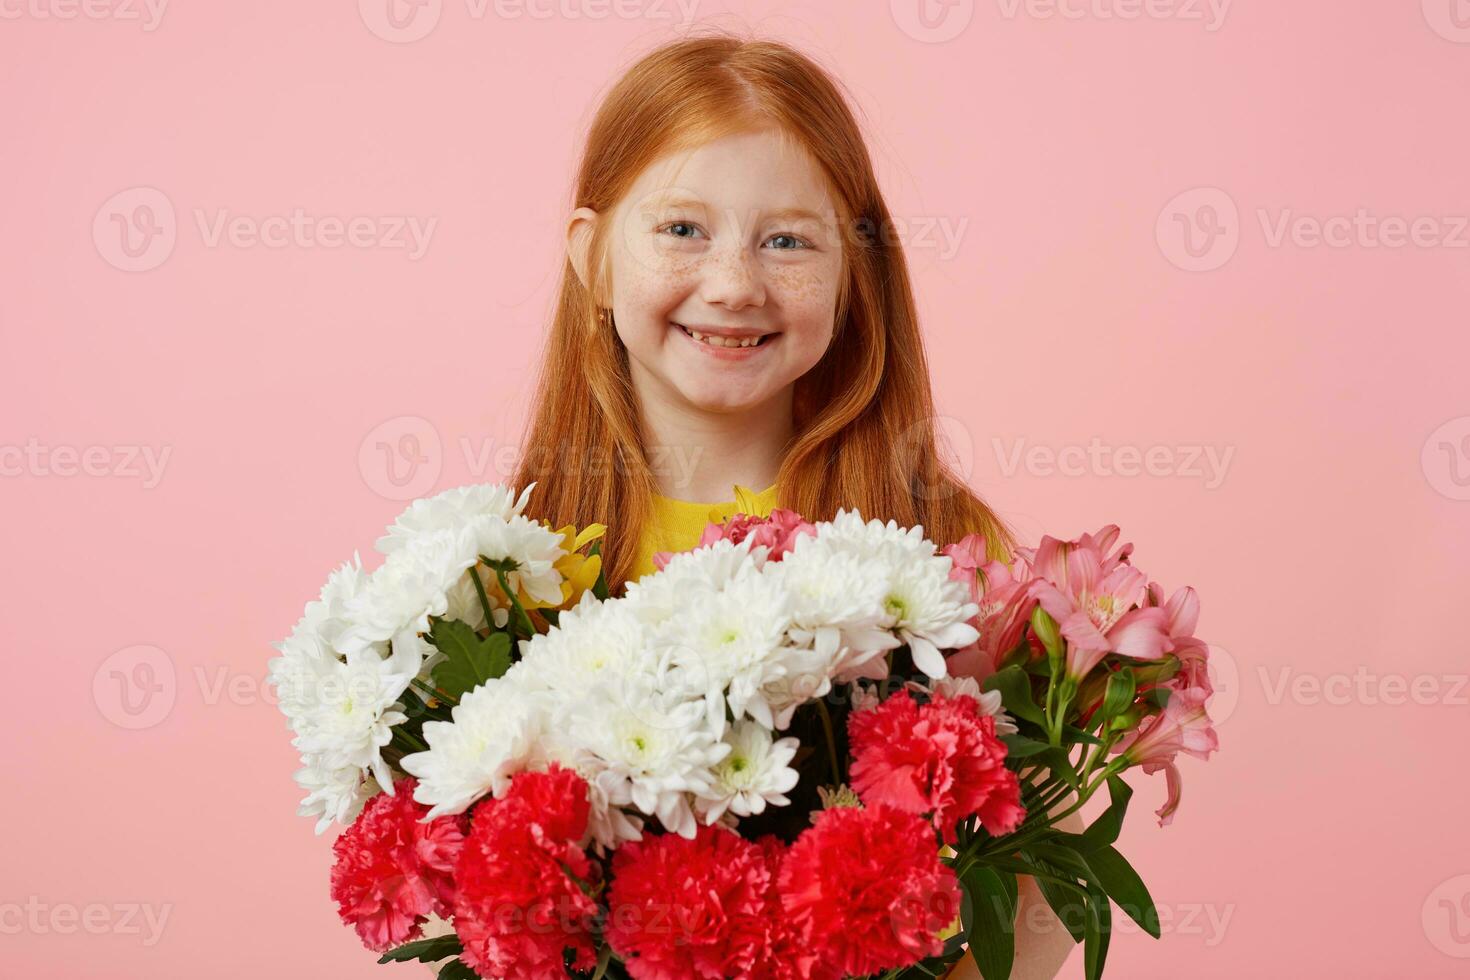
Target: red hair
pixel 863 416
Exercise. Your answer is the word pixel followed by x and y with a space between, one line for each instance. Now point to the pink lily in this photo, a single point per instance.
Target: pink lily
pixel 1005 605
pixel 1097 601
pixel 1183 726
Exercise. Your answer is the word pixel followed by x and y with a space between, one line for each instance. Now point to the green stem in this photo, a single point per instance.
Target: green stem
pixel 437 695
pixel 484 599
pixel 411 739
pixel 522 619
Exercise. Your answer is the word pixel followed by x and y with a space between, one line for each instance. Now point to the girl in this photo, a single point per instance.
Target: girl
pixel 734 314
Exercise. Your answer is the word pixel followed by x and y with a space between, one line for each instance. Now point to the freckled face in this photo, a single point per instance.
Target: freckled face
pixel 739 233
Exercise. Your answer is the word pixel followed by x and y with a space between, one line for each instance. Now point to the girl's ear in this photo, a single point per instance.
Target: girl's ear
pixel 579 241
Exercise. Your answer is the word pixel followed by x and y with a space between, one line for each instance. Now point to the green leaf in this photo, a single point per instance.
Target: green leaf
pixel 1067 902
pixel 599 588
pixel 1109 824
pixel 993 931
pixel 1060 764
pixel 1014 685
pixel 469 661
pixel 456 970
pixel 1056 853
pixel 1019 746
pixel 1012 888
pixel 1123 885
pixel 424 950
pixel 1075 734
pixel 1096 932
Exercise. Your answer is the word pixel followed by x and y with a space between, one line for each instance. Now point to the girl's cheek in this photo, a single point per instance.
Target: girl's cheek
pixel 805 291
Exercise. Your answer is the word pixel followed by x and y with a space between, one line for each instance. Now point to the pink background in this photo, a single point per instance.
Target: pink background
pixel 1326 838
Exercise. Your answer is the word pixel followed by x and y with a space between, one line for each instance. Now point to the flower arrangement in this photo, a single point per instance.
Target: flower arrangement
pixel 799 750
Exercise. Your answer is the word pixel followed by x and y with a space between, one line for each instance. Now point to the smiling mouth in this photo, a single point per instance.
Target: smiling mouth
pixel 725 343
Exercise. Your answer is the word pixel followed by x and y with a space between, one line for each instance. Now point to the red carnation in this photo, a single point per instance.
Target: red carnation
pixel 681 908
pixel 867 889
pixel 390 871
pixel 520 903
pixel 785 955
pixel 943 759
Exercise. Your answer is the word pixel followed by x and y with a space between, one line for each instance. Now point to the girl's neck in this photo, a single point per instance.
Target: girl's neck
pixel 699 456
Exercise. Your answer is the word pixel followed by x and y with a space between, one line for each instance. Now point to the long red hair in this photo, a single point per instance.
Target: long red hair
pixel 864 424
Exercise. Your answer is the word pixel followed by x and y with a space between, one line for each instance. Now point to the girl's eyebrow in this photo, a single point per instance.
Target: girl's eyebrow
pixel 777 214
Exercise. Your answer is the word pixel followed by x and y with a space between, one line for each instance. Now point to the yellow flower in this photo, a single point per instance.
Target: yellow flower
pixel 953 929
pixel 578 571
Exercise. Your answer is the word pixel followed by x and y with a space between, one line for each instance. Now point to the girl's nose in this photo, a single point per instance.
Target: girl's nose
pixel 732 278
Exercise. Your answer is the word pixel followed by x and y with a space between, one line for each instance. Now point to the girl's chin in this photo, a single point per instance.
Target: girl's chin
pixel 715 400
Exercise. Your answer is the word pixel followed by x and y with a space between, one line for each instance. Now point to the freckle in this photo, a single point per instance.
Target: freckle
pixel 802 283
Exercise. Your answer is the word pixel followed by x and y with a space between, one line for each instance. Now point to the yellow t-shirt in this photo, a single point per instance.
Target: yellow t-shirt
pixel 675 525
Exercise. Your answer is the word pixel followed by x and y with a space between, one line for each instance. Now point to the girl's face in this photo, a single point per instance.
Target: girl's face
pixel 732 243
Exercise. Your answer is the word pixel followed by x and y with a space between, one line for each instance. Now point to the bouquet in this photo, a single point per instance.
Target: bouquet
pixel 799 750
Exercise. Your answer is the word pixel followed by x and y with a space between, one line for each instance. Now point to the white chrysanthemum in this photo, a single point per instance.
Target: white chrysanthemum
pixel 304 658
pixel 850 531
pixel 659 597
pixel 732 643
pixel 327 616
pixel 838 606
pixel 411 585
pixel 310 645
pixel 532 545
pixel 756 772
pixel 990 701
pixel 452 509
pixel 495 733
pixel 642 749
pixel 351 707
pixel 592 641
pixel 333 794
pixel 931 612
pixel 927 609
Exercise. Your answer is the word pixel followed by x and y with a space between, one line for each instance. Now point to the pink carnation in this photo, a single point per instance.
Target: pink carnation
pixel 867 889
pixel 777 532
pixel 680 908
pixel 391 871
pixel 943 759
pixel 520 903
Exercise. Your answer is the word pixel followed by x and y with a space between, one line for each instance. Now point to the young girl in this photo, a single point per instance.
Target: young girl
pixel 735 331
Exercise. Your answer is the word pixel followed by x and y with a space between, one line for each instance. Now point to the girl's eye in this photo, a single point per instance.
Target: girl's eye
pixel 796 243
pixel 685 229
pixel 674 226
